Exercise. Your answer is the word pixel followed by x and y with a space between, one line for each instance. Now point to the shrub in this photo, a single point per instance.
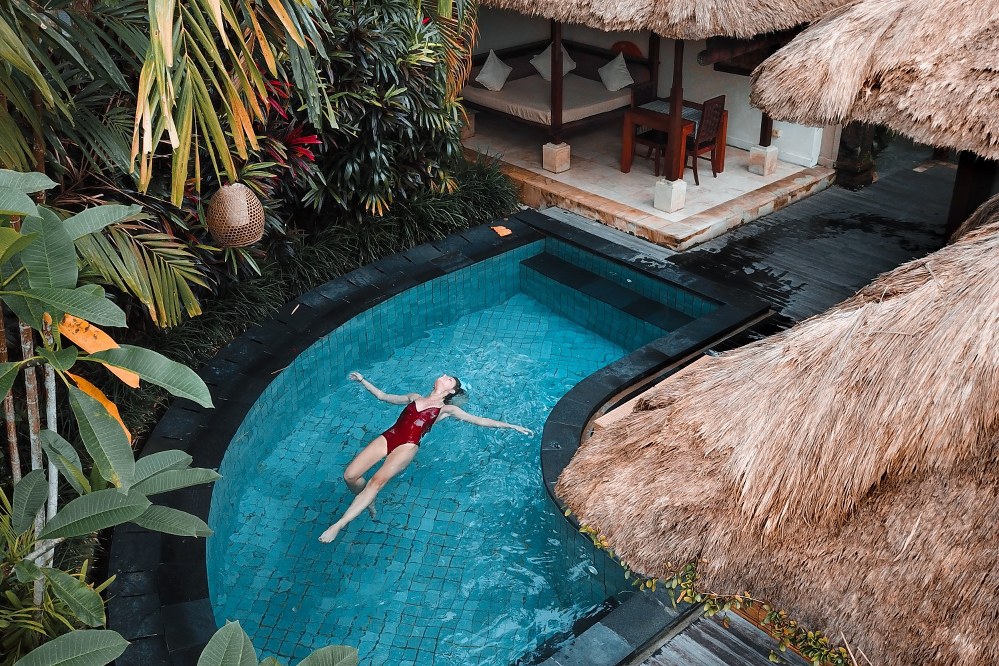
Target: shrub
pixel 397 132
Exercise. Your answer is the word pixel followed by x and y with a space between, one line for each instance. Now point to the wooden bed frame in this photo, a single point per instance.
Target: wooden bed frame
pixel 641 92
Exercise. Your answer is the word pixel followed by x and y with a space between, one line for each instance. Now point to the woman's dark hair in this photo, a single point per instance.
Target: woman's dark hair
pixel 460 394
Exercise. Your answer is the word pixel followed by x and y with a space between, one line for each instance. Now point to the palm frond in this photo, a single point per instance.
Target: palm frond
pixel 155 268
pixel 201 77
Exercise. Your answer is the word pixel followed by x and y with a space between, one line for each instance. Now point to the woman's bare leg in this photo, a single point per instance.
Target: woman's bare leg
pixel 369 456
pixel 397 461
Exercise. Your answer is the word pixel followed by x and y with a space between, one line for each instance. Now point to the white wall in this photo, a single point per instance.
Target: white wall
pixel 798 144
pixel 499 29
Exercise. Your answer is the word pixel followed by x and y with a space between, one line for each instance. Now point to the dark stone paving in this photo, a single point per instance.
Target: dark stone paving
pixel 811 255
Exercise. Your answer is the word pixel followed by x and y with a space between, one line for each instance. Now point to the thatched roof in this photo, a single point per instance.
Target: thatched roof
pixel 846 469
pixel 678 19
pixel 925 68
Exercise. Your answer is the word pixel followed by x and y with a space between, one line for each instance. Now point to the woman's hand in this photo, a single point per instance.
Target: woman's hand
pixel 523 431
pixel 355 376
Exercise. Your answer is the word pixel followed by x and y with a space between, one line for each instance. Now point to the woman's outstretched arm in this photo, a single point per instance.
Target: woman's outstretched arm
pixel 462 415
pixel 404 399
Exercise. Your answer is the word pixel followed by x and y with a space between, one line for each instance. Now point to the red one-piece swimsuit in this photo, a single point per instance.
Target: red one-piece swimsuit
pixel 411 426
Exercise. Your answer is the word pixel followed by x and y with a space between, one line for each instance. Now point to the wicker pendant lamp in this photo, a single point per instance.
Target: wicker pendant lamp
pixel 235 216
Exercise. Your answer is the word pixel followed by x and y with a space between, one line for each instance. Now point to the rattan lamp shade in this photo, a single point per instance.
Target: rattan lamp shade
pixel 235 216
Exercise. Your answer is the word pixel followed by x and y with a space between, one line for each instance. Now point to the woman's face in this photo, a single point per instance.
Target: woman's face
pixel 445 383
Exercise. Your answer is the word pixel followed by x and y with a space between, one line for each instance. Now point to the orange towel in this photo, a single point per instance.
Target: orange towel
pixel 501 231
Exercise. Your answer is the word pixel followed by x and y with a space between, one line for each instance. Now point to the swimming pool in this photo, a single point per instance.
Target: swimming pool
pixel 160 601
pixel 464 563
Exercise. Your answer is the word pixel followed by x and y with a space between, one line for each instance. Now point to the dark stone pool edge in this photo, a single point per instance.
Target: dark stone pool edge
pixel 159 601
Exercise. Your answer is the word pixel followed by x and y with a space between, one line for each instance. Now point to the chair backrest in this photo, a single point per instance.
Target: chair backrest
pixel 711 115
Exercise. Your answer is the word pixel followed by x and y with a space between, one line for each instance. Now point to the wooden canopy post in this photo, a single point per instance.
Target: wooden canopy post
pixel 972 186
pixel 674 142
pixel 557 83
pixel 654 44
pixel 766 130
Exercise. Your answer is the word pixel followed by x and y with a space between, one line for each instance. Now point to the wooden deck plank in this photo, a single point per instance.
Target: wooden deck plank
pixel 812 254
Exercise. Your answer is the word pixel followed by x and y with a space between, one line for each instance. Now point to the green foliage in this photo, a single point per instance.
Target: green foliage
pixel 87 647
pixel 29 496
pixel 230 646
pixel 156 369
pixel 67 601
pixel 172 521
pixel 104 439
pixel 397 126
pixel 40 602
pixel 66 459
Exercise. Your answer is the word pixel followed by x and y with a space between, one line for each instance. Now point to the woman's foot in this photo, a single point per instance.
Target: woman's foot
pixel 329 534
pixel 371 511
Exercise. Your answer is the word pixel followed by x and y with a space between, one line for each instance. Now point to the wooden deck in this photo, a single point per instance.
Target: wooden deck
pixel 817 252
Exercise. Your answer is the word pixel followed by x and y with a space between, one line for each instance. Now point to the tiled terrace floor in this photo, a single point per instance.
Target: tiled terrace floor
pixel 594 186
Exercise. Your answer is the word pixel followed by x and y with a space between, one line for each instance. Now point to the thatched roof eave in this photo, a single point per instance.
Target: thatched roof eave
pixel 924 68
pixel 678 19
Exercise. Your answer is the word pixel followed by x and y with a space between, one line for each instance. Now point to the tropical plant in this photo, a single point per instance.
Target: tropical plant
pixel 396 109
pixel 102 95
pixel 457 22
pixel 230 646
pixel 71 64
pixel 40 283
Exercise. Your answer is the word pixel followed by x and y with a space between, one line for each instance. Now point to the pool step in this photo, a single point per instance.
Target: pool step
pixel 607 291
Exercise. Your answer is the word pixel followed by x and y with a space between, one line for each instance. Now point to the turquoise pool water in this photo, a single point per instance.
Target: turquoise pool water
pixel 467 561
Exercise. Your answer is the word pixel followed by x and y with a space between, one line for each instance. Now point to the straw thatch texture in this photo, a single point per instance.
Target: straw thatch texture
pixel 845 469
pixel 678 19
pixel 925 68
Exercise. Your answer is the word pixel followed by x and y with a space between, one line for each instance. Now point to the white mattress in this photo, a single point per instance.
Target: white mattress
pixel 530 98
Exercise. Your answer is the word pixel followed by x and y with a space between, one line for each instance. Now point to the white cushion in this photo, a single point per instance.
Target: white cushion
pixel 615 74
pixel 494 72
pixel 543 63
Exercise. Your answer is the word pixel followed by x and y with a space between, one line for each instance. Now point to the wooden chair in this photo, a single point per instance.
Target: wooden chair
pixel 705 140
pixel 655 141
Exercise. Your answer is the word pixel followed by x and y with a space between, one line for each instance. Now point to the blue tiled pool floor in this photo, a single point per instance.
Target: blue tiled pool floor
pixel 463 564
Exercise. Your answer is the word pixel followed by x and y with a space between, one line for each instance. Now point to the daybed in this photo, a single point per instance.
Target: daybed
pixel 581 98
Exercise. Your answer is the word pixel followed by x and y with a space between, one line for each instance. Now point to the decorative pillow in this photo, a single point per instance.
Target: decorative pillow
pixel 543 63
pixel 494 72
pixel 615 74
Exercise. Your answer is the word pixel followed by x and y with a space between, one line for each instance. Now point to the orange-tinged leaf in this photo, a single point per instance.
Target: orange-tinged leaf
pixel 91 339
pixel 97 395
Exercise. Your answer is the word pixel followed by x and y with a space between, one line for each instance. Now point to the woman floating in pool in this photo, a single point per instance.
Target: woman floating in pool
pixel 398 445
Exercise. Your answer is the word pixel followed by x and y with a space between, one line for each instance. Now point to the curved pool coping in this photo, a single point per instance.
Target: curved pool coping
pixel 160 598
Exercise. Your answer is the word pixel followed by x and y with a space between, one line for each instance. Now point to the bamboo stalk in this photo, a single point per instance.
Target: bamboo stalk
pixel 34 425
pixel 31 396
pixel 51 420
pixel 8 410
pixel 28 348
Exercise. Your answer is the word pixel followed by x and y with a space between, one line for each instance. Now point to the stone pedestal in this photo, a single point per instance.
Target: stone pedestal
pixel 671 195
pixel 468 129
pixel 763 161
pixel 555 157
